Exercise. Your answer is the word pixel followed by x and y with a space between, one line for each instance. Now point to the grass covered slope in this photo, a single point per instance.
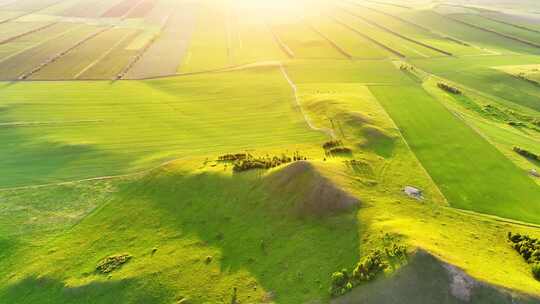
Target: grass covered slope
pixel 118 127
pixel 470 172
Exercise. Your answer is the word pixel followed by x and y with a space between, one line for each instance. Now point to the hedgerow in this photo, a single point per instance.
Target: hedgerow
pixel 245 162
pixel 527 154
pixel 366 269
pixel 529 249
pixel 449 88
pixel 335 147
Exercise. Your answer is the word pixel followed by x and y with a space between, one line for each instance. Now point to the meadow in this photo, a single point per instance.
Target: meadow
pixel 124 124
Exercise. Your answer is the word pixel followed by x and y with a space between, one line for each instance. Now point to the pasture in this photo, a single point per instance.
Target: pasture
pixel 236 151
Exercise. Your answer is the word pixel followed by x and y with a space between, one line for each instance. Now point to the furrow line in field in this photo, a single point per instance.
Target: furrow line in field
pixel 110 50
pixel 527 42
pixel 384 28
pixel 391 50
pixel 410 23
pixel 10 39
pixel 141 53
pixel 59 55
pixel 30 13
pixel 511 24
pixel 333 43
pixel 280 43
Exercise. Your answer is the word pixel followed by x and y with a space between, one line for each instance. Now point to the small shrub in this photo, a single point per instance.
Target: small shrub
pixel 536 271
pixel 529 249
pixel 332 144
pixel 449 88
pixel 112 263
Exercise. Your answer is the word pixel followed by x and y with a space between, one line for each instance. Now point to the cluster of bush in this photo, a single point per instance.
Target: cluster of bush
pixel 527 154
pixel 529 249
pixel 406 67
pixel 112 263
pixel 449 88
pixel 335 147
pixel 366 270
pixel 233 157
pixel 268 162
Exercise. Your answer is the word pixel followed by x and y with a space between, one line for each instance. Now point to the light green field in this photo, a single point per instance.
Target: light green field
pixel 97 168
pixel 451 151
pixel 120 127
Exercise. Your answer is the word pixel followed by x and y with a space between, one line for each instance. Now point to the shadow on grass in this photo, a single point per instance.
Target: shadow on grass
pixel 47 290
pixel 256 230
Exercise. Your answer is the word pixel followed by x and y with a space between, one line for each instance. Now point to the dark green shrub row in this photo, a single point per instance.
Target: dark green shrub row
pixel 112 263
pixel 366 270
pixel 233 157
pixel 527 154
pixel 332 144
pixel 339 150
pixel 529 249
pixel 267 162
pixel 449 88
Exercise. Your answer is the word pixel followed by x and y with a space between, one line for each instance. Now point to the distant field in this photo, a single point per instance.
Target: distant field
pixel 72 64
pixel 173 42
pixel 483 74
pixel 209 45
pixel 119 127
pixel 27 60
pixel 469 171
pixel 354 44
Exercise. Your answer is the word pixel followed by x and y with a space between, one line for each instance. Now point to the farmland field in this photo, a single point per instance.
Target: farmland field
pixel 269 152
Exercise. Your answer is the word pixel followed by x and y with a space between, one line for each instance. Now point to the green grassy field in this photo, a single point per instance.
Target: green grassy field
pixel 115 146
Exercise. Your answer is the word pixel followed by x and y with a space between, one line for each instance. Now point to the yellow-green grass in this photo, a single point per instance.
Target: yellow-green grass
pixel 113 61
pixel 188 211
pixel 406 48
pixel 342 71
pixel 13 29
pixel 26 61
pixel 419 34
pixel 26 42
pixel 476 37
pixel 172 42
pixel 466 167
pixel 478 20
pixel 208 47
pixel 123 126
pixel 354 44
pixel 304 42
pixel 484 74
pixel 529 71
pixel 497 131
pixel 75 62
pixel 251 39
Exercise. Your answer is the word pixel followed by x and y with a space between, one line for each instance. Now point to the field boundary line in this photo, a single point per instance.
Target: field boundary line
pixel 511 24
pixel 424 28
pixel 98 178
pixel 298 105
pixel 333 43
pixel 10 39
pixel 524 41
pixel 40 43
pixel 126 14
pixel 63 53
pixel 285 48
pixel 30 12
pixel 143 51
pixel 386 29
pixel 106 53
pixel 380 44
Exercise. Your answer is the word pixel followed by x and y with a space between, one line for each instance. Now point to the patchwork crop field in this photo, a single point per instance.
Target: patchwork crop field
pixel 269 151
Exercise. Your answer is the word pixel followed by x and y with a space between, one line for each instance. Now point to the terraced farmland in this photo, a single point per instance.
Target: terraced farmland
pixel 269 151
